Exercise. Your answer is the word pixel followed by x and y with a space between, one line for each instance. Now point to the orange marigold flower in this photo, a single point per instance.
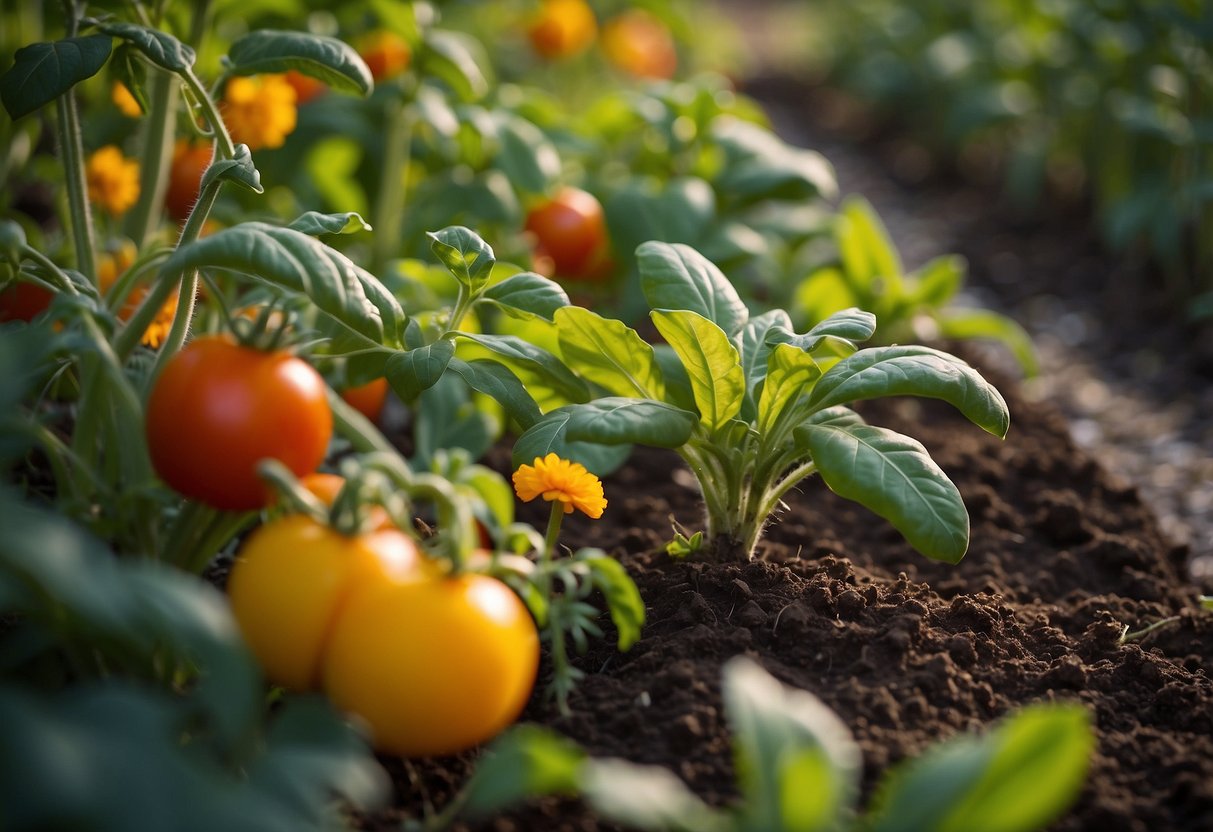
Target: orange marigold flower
pixel 562 29
pixel 559 479
pixel 113 180
pixel 260 111
pixel 111 265
pixel 125 101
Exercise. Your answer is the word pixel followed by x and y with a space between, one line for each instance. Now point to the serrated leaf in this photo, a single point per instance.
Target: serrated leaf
pixel 314 223
pixel 789 373
pixel 414 370
pixel 648 798
pixel 711 362
pixel 914 371
pixel 1019 778
pixel 622 597
pixel 298 263
pixel 780 735
pixel 41 72
pixel 161 48
pixel 327 59
pixel 238 170
pixel 609 353
pixel 497 381
pixel 529 293
pixel 539 361
pixel 527 762
pixel 675 276
pixel 893 476
pixel 468 257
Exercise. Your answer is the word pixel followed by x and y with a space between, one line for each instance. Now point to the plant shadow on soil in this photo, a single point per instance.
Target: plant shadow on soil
pixel 907 651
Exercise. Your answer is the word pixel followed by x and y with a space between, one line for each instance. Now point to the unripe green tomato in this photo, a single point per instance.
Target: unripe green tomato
pixel 292 581
pixel 434 665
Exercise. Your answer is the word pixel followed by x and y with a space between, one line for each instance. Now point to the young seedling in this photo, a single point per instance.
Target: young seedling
pixel 753 407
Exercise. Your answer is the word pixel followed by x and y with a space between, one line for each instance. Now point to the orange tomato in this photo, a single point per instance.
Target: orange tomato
pixel 562 29
pixel 306 87
pixel 386 54
pixel 367 398
pixel 190 161
pixel 570 230
pixel 327 486
pixel 640 44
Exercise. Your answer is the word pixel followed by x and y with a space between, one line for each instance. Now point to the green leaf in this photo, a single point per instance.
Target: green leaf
pixel 294 261
pixel 797 765
pixel 131 72
pixel 529 293
pixel 648 798
pixel 1019 778
pixel 961 324
pixel 914 371
pixel 162 49
pixel 526 155
pixel 541 362
pixel 469 258
pixel 495 380
pixel 824 292
pixel 323 58
pixel 893 476
pixel 447 418
pixel 314 223
pixel 527 762
pixel 238 170
pixel 678 277
pixel 622 597
pixel 331 165
pixel 1205 601
pixel 760 165
pixel 609 353
pixel 754 349
pixel 790 372
pixel 939 280
pixel 677 383
pixel 678 211
pixel 41 72
pixel 867 253
pixel 414 370
pixel 606 421
pixel 851 324
pixel 457 60
pixel 711 362
pixel 839 416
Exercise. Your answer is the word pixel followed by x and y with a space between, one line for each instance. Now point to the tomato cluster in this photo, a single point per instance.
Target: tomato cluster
pixel 433 663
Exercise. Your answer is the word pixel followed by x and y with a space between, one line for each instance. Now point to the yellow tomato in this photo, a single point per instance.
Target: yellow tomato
pixel 434 665
pixel 292 581
pixel 562 29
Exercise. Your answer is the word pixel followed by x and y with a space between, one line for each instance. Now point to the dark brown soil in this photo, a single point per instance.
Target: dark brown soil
pixel 908 652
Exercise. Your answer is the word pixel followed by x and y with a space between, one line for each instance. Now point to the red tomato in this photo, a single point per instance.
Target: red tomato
pixel 386 54
pixel 220 408
pixel 570 229
pixel 367 398
pixel 562 28
pixel 24 302
pixel 190 161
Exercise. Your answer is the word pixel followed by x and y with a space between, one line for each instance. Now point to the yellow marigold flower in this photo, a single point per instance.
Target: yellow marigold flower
pixel 111 265
pixel 125 101
pixel 259 112
pixel 113 180
pixel 560 479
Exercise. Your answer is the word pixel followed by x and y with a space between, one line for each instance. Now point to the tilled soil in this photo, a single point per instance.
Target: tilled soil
pixel 908 652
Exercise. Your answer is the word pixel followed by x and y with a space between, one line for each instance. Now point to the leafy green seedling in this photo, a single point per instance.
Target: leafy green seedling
pixel 753 407
pixel 799 768
pixel 868 273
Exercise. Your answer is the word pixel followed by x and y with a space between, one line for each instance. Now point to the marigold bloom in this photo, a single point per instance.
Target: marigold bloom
pixel 125 101
pixel 113 180
pixel 260 111
pixel 562 29
pixel 111 265
pixel 559 479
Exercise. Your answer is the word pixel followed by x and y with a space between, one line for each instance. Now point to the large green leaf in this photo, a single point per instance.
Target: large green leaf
pixel 411 371
pixel 294 261
pixel 526 155
pixel 760 165
pixel 647 798
pixel 754 349
pixel 711 361
pixel 983 323
pixel 678 277
pixel 468 257
pixel 895 477
pixel 938 281
pixel 789 374
pixel 495 380
pixel 867 252
pixel 797 764
pixel 527 762
pixel 609 353
pixel 457 60
pixel 528 293
pixel 41 72
pixel 623 598
pixel 678 211
pixel 541 362
pixel 1019 778
pixel 315 223
pixel 607 421
pixel 161 48
pixel 914 371
pixel 332 61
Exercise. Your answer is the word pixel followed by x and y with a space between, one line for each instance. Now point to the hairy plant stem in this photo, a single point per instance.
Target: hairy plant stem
pixel 159 129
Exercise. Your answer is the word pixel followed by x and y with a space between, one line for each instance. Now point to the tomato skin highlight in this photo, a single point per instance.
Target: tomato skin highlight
pixel 292 579
pixel 570 229
pixel 367 398
pixel 219 408
pixel 434 666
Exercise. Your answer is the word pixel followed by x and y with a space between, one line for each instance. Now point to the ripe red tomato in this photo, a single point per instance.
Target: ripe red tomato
pixel 367 398
pixel 24 302
pixel 190 161
pixel 570 229
pixel 219 408
pixel 434 665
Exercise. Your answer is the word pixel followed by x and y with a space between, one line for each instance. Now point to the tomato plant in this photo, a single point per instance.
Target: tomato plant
pixel 291 581
pixel 434 665
pixel 570 228
pixel 219 408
